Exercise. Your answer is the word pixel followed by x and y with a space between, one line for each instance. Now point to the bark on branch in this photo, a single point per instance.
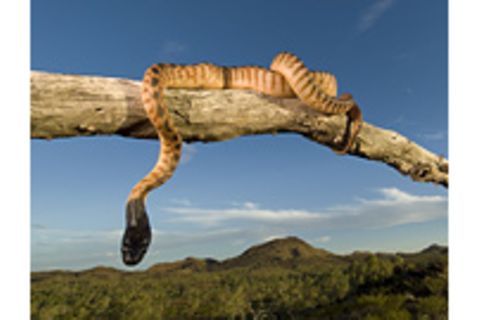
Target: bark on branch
pixel 72 105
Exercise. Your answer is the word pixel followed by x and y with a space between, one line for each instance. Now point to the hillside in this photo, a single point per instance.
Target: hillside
pixel 286 252
pixel 187 265
pixel 281 279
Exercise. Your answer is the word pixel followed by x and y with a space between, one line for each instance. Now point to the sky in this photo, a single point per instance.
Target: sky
pixel 227 196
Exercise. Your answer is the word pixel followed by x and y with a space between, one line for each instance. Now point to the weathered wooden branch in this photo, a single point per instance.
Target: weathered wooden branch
pixel 72 105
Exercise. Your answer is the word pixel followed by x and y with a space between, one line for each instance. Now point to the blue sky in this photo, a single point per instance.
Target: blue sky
pixel 227 196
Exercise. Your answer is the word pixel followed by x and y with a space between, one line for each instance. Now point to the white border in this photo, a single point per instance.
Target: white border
pixel 464 159
pixel 15 160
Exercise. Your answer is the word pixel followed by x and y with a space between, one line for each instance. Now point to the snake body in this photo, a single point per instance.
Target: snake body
pixel 287 78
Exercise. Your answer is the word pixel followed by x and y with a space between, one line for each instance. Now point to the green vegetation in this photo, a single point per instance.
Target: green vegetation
pixel 283 279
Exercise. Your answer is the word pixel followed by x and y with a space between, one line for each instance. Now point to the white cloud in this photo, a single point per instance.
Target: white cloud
pixel 215 216
pixel 172 48
pixel 323 239
pixel 394 207
pixel 188 151
pixel 273 237
pixel 433 136
pixel 371 15
pixel 250 205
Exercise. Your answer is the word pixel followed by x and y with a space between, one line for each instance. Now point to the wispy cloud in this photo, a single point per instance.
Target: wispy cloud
pixel 215 216
pixel 82 249
pixel 394 207
pixel 171 48
pixel 221 233
pixel 401 121
pixel 63 248
pixel 188 152
pixel 373 13
pixel 322 239
pixel 274 236
pixel 433 136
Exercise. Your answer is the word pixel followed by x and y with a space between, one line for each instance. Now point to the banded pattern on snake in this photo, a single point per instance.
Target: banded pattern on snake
pixel 287 77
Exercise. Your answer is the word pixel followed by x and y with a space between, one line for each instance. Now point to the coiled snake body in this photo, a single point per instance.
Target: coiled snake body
pixel 287 77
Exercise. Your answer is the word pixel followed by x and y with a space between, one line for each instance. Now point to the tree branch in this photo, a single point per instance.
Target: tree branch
pixel 72 105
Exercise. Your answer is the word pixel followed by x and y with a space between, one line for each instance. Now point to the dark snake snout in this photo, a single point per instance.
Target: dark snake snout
pixel 138 234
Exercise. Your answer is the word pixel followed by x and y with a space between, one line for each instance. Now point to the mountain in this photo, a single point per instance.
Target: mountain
pixel 288 251
pixel 285 252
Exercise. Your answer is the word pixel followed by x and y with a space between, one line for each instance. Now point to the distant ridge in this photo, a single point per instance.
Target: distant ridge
pixel 435 248
pixel 288 252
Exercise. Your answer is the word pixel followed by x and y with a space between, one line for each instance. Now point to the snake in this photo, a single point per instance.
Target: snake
pixel 287 77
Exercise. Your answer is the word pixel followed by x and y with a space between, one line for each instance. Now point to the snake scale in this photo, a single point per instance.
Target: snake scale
pixel 287 78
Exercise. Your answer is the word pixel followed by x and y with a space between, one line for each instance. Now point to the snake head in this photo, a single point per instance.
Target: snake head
pixel 138 234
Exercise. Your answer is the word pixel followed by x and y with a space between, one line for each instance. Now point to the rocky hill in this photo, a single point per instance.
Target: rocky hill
pixel 285 252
